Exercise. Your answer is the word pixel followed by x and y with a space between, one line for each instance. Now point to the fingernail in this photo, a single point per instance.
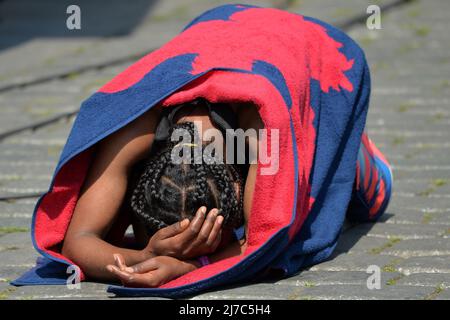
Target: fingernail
pixel 109 268
pixel 220 219
pixel 128 269
pixel 203 210
pixel 116 258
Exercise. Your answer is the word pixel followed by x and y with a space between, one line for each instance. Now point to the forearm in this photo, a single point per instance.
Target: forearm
pixel 93 254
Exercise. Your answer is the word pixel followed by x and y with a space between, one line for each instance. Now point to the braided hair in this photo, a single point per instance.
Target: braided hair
pixel 166 192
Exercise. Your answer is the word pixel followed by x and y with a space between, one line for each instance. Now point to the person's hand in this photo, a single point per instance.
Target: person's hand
pixel 153 272
pixel 188 239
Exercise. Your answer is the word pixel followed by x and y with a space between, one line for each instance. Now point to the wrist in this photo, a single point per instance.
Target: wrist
pixel 146 254
pixel 192 265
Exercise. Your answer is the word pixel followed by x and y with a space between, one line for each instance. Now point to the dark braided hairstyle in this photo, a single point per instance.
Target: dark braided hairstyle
pixel 165 193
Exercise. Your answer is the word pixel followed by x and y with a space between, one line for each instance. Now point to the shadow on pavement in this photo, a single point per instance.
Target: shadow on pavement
pixel 352 235
pixel 349 237
pixel 24 20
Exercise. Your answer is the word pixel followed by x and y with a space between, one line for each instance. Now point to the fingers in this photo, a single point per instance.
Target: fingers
pixel 173 229
pixel 133 279
pixel 198 238
pixel 216 242
pixel 122 275
pixel 120 261
pixel 215 231
pixel 208 225
pixel 197 222
pixel 143 267
pixel 194 227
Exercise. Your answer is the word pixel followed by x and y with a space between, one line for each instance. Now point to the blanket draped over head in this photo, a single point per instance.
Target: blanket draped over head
pixel 306 78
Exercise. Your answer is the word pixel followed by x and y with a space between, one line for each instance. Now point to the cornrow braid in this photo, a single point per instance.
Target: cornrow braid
pixel 166 192
pixel 230 204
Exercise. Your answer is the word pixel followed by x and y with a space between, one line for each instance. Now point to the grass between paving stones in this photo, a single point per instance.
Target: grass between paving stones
pixel 394 280
pixel 441 86
pixel 307 284
pixel 7 230
pixel 435 293
pixel 436 117
pixel 406 106
pixel 4 294
pixel 178 12
pixel 435 183
pixel 396 141
pixel 392 266
pixel 391 242
pixel 427 217
pixel 297 295
pixel 9 248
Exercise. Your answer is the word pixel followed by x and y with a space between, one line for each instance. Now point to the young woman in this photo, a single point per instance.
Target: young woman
pixel 169 251
pixel 269 69
pixel 189 196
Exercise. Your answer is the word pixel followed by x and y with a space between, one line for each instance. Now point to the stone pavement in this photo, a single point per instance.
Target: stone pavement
pixel 47 73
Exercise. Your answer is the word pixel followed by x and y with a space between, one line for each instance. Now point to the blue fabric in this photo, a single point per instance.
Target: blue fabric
pixel 335 163
pixel 219 13
pixel 46 271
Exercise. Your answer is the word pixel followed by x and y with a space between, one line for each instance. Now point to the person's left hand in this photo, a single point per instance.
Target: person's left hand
pixel 189 239
pixel 153 272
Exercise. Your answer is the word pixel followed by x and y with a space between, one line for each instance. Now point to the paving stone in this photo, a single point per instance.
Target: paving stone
pixel 12 272
pixel 20 239
pixel 417 216
pixel 253 291
pixel 14 221
pixel 359 244
pixel 418 202
pixel 444 295
pixel 426 265
pixel 420 248
pixel 12 258
pixel 352 262
pixel 360 292
pixel 423 231
pixel 39 184
pixel 87 290
pixel 331 278
pixel 428 279
pixel 424 188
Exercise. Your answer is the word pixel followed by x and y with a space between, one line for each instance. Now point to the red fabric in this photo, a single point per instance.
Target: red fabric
pixel 53 215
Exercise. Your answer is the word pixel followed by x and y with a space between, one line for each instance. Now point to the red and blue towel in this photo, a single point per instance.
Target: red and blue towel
pixel 308 79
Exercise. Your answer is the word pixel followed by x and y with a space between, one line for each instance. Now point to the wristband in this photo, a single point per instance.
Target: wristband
pixel 203 260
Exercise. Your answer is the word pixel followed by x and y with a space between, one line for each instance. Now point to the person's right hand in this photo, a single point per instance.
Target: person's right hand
pixel 189 239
